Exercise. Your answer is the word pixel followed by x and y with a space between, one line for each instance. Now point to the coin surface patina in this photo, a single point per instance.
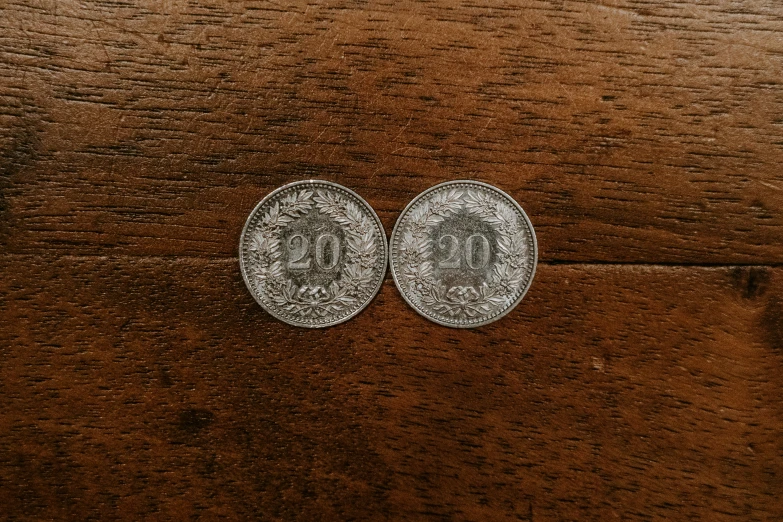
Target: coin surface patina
pixel 463 253
pixel 313 253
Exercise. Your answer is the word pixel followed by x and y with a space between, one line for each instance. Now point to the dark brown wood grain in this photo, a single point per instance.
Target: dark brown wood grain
pixel 631 131
pixel 640 379
pixel 158 387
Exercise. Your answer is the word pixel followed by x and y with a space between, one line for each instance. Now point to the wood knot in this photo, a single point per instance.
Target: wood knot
pixel 751 282
pixel 195 420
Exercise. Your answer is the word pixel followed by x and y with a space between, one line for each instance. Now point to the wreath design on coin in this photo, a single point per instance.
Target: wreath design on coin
pixel 307 302
pixel 464 302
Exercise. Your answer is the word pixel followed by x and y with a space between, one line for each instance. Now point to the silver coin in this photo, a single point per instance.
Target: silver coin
pixel 463 254
pixel 313 253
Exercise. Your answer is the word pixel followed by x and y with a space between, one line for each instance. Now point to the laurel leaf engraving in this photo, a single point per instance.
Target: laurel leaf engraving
pixel 464 302
pixel 310 301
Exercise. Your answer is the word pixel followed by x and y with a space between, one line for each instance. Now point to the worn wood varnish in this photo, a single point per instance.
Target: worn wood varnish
pixel 631 132
pixel 641 378
pixel 138 386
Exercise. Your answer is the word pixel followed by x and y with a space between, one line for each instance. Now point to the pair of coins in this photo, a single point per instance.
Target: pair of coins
pixel 314 253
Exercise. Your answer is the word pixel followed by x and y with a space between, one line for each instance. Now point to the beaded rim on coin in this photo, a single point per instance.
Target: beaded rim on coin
pixel 383 256
pixel 393 240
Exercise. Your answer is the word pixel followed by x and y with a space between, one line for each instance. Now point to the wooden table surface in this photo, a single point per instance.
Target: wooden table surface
pixel 640 379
